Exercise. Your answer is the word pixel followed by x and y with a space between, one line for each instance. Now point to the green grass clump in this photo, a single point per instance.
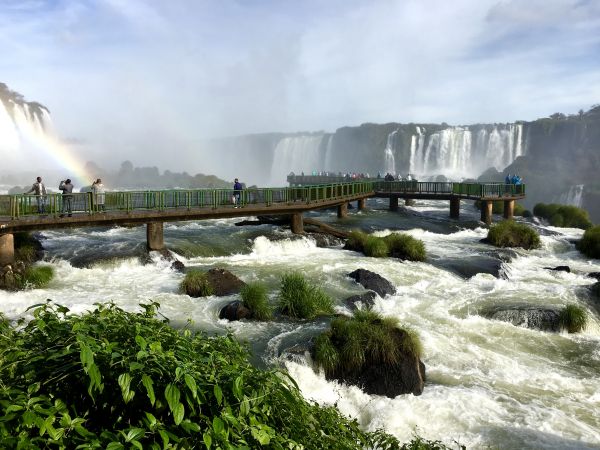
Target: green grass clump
pixel 196 284
pixel 38 276
pixel 572 318
pixel 375 247
pixel 300 299
pixel 365 339
pixel 509 233
pixel 254 297
pixel 405 247
pixel 566 216
pixel 113 379
pixel 589 244
pixel 356 241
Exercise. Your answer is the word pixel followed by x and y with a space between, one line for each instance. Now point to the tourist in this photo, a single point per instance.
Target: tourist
pixel 39 190
pixel 98 190
pixel 237 193
pixel 67 196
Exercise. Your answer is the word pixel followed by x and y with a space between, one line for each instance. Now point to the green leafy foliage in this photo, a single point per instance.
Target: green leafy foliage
pixel 112 379
pixel 589 244
pixel 363 340
pixel 563 215
pixel 196 284
pixel 397 245
pixel 254 297
pixel 298 298
pixel 509 233
pixel 573 318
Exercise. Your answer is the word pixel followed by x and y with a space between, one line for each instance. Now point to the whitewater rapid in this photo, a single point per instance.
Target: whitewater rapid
pixel 489 383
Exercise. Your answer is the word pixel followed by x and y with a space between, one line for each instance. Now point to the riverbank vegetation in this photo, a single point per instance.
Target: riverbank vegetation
pixel 300 299
pixel 396 245
pixel 566 216
pixel 589 244
pixel 573 318
pixel 509 233
pixel 114 379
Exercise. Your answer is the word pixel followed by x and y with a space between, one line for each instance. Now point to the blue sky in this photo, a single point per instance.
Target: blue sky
pixel 139 75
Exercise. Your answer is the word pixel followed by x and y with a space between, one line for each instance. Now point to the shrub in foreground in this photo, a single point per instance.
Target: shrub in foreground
pixel 196 284
pixel 589 244
pixel 113 379
pixel 300 299
pixel 509 233
pixel 254 297
pixel 572 318
pixel 567 216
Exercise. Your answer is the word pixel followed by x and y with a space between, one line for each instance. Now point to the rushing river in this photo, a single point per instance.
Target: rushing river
pixel 489 383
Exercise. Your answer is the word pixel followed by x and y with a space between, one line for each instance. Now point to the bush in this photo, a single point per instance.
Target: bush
pixel 572 318
pixel 589 244
pixel 563 215
pixel 405 247
pixel 254 296
pixel 376 247
pixel 196 284
pixel 356 241
pixel 113 379
pixel 365 339
pixel 297 298
pixel 37 277
pixel 511 234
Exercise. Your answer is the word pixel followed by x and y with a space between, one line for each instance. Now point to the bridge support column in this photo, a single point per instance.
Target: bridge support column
pixel 509 209
pixel 486 211
pixel 154 236
pixel 393 203
pixel 342 210
pixel 297 223
pixel 7 249
pixel 454 208
pixel 361 204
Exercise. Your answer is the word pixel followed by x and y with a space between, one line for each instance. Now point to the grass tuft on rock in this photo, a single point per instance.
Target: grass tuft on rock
pixel 38 276
pixel 375 247
pixel 573 318
pixel 396 245
pixel 589 244
pixel 566 216
pixel 509 233
pixel 300 299
pixel 254 297
pixel 196 284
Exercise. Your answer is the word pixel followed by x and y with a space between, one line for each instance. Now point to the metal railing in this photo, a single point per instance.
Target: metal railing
pixel 21 205
pixel 478 190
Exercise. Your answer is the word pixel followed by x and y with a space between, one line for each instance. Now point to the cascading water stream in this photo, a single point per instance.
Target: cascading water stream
pixel 296 154
pixel 389 159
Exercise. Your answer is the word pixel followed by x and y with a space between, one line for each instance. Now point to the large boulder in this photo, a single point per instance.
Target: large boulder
pixel 559 269
pixel 224 282
pixel 595 275
pixel 536 318
pixel 471 266
pixel 235 311
pixel 367 300
pixel 372 281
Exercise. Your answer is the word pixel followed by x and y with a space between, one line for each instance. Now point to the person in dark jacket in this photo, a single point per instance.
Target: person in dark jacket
pixel 67 196
pixel 237 193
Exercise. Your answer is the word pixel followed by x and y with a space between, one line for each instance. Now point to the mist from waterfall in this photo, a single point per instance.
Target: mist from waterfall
pixel 296 154
pixel 573 197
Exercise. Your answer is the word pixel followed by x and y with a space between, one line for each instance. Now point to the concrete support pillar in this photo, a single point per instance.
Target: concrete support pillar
pixel 154 236
pixel 509 209
pixel 297 223
pixel 486 211
pixel 393 203
pixel 454 208
pixel 7 249
pixel 361 204
pixel 342 210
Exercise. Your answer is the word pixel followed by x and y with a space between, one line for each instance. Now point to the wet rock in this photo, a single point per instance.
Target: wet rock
pixel 299 353
pixel 235 311
pixel 559 269
pixel 470 266
pixel 325 240
pixel 595 275
pixel 178 266
pixel 595 290
pixel 372 281
pixel 367 300
pixel 543 319
pixel 224 282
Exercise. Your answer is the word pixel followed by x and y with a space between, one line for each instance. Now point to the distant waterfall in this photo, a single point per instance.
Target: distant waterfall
pixel 295 154
pixel 460 152
pixel 573 196
pixel 389 160
pixel 328 153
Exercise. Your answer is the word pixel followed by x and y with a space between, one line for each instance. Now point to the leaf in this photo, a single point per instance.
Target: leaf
pixel 165 438
pixel 261 435
pixel 134 434
pixel 141 342
pixel 115 446
pixel 178 413
pixel 218 394
pixel 191 384
pixel 237 388
pixel 207 439
pixel 147 382
pixel 124 381
pixel 172 395
pixel 245 407
pixel 151 419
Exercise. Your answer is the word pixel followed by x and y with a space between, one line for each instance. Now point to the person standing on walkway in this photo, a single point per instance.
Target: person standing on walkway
pixel 237 193
pixel 39 190
pixel 67 196
pixel 98 190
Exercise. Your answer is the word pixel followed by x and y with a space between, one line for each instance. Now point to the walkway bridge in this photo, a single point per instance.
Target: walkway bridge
pixel 21 212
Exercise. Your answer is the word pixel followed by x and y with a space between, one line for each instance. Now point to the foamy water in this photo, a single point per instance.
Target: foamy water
pixel 489 383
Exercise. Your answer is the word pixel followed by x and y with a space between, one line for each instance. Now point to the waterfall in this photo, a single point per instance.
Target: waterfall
pixel 459 152
pixel 328 153
pixel 573 196
pixel 389 160
pixel 295 154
